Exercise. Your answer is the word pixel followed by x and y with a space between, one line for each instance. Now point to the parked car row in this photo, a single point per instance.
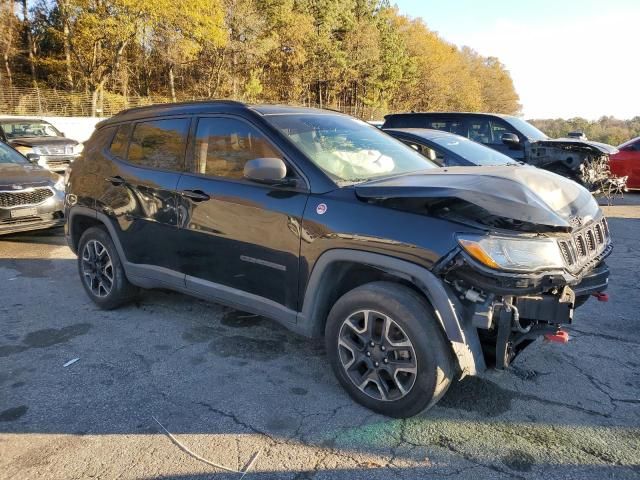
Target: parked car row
pixel 415 275
pixel 586 162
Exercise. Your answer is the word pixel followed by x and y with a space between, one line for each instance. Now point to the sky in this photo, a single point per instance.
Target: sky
pixel 567 58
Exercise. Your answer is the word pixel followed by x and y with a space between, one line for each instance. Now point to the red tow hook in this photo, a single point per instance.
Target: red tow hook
pixel 559 337
pixel 601 296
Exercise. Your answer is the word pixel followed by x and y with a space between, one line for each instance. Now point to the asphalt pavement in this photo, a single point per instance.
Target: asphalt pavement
pixel 241 392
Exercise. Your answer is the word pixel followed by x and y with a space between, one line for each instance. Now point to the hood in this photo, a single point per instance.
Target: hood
pixel 26 175
pixel 521 193
pixel 41 141
pixel 577 144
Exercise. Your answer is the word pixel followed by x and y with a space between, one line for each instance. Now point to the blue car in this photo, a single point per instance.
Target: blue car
pixel 448 149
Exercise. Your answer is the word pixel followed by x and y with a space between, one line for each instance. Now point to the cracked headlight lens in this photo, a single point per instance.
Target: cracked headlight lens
pixel 514 254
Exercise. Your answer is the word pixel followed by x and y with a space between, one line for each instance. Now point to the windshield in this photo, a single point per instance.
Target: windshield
pixel 348 149
pixel 528 130
pixel 19 129
pixel 9 155
pixel 475 153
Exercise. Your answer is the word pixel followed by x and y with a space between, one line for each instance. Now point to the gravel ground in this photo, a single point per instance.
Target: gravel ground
pixel 229 385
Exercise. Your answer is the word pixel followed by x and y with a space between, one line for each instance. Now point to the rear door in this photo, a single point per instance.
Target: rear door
pixel 242 236
pixel 148 158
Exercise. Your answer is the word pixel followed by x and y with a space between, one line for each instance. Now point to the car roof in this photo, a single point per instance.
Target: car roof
pixel 629 142
pixel 22 119
pixel 449 114
pixel 206 106
pixel 426 133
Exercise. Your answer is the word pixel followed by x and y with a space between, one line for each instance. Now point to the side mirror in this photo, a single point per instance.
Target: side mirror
pixel 33 158
pixel 265 170
pixel 510 139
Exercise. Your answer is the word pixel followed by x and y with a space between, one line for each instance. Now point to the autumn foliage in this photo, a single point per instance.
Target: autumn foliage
pixel 356 55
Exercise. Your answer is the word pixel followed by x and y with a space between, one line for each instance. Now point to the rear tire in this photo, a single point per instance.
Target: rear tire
pixel 388 350
pixel 101 271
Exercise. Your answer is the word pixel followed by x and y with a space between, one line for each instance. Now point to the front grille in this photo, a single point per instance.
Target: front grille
pixel 599 234
pixel 59 161
pixel 32 196
pixel 585 245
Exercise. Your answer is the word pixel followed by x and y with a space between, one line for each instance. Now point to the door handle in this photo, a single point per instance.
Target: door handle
pixel 116 180
pixel 195 195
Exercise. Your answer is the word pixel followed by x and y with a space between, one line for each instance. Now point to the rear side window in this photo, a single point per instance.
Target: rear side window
pixel 480 130
pixel 224 145
pixel 121 140
pixel 159 143
pixel 424 121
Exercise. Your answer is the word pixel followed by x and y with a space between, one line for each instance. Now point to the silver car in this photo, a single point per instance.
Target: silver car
pixel 31 197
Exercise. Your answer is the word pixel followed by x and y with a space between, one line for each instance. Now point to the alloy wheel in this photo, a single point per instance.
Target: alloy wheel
pixel 377 355
pixel 97 268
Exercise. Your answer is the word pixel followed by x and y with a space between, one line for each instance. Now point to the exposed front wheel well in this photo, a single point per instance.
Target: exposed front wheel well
pixel 78 225
pixel 344 276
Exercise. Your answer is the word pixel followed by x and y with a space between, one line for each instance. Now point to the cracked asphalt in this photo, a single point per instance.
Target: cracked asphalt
pixel 229 385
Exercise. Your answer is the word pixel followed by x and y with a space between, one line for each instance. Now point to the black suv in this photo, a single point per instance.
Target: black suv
pixel 415 275
pixel 581 160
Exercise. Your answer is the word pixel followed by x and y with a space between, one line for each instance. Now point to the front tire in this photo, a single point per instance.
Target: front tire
pixel 101 271
pixel 388 350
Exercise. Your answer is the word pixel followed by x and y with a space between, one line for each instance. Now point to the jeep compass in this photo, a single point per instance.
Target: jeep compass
pixel 414 275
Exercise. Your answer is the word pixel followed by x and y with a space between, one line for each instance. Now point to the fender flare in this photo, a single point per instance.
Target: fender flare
pixel 100 217
pixel 463 337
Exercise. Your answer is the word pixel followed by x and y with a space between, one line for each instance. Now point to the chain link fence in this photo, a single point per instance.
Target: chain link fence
pixel 48 102
pixel 60 103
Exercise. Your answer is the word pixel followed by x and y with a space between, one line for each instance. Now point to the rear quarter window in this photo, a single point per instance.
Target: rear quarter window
pixel 159 143
pixel 121 141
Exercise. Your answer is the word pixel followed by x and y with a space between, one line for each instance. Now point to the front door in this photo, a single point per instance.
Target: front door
pixel 244 237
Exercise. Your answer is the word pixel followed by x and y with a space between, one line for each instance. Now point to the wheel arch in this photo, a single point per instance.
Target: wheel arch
pixel 337 263
pixel 79 219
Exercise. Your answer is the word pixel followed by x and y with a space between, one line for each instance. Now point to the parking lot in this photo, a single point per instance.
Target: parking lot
pixel 232 387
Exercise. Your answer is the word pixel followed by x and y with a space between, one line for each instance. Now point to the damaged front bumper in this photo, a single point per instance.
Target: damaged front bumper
pixel 511 310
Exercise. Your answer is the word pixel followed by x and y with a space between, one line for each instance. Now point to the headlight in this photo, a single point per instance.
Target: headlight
pixel 515 254
pixel 41 150
pixel 77 150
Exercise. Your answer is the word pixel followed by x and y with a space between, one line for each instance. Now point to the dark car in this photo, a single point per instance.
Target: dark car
pixel 584 161
pixel 447 149
pixel 31 197
pixel 40 142
pixel 414 274
pixel 627 162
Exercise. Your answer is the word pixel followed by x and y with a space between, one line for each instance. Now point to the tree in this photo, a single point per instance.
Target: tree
pixel 8 33
pixel 360 56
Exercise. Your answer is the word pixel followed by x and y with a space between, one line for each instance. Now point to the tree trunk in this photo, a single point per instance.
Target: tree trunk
pixel 172 83
pixel 66 36
pixel 7 67
pixel 7 48
pixel 31 46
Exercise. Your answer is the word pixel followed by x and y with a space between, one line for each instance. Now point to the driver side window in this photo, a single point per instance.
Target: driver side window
pixel 498 129
pixel 428 152
pixel 224 145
